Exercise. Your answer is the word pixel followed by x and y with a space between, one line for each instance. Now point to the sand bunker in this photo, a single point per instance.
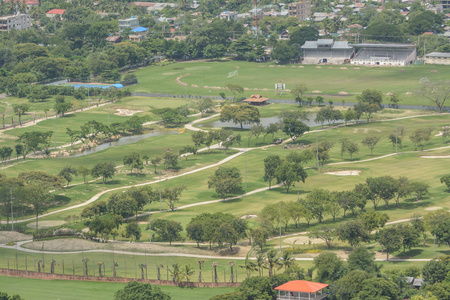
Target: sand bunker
pixel 343 68
pixel 343 93
pixel 433 208
pixel 249 217
pixel 45 224
pixel 302 240
pixel 12 236
pixel 317 92
pixel 408 93
pixel 126 112
pixel 435 156
pixel 389 94
pixel 345 173
pixel 318 67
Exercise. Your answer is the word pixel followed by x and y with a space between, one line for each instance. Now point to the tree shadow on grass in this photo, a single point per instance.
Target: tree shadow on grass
pixel 410 253
pixel 61 200
pixel 111 182
pixel 140 175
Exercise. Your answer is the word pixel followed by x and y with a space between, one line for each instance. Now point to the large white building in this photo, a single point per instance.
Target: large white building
pixel 440 58
pixel 326 51
pixel 384 54
pixel 18 21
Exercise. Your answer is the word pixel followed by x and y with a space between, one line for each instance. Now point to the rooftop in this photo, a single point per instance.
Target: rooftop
pixel 56 11
pixel 139 29
pixel 438 54
pixel 400 46
pixel 302 286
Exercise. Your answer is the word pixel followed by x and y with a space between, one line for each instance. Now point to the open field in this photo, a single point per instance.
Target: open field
pixel 58 289
pixel 353 80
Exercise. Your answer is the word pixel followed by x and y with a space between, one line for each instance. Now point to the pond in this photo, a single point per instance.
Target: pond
pixel 264 122
pixel 125 141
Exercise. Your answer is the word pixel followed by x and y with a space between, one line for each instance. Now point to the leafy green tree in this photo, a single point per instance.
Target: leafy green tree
pixel 389 240
pixel 271 129
pixel 326 233
pixel 435 271
pixel 272 261
pixel 294 128
pixel 423 21
pixel 105 170
pixel 329 267
pixel 353 232
pixel 61 106
pixel 373 220
pixel 351 148
pixel 316 201
pixel 271 164
pixel 226 233
pixel 370 142
pixel 172 195
pixel 20 109
pixel 67 173
pixel 283 52
pixel 362 259
pixel 134 161
pixel 381 188
pixel 402 189
pixel 420 137
pixel 303 34
pixel 205 105
pixel 155 162
pixel 132 230
pixel 345 287
pixel 256 287
pixel 141 291
pixel 167 230
pixel 240 114
pixel 419 189
pixel 446 179
pixel 187 150
pixel 298 92
pixel 226 181
pixel 195 232
pixel 378 288
pixel 235 89
pixel 409 236
pixel 170 160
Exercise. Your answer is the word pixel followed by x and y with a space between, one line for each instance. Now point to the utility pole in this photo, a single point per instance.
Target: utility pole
pixel 160 192
pixel 150 220
pixel 54 133
pixel 317 150
pixel 396 139
pixel 279 211
pixel 245 155
pixel 12 212
pixel 108 114
pixel 185 97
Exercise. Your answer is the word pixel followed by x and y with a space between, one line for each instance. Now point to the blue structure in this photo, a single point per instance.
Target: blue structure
pixel 101 86
pixel 140 29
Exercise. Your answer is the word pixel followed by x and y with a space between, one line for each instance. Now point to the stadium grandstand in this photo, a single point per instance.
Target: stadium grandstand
pixel 384 54
pixel 326 51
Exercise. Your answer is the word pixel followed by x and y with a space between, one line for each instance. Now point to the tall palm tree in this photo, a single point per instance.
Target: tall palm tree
pixel 214 266
pixel 287 260
pixel 272 261
pixel 100 264
pixel 142 267
pixel 177 274
pixel 249 266
pixel 188 272
pixel 200 264
pixel 158 271
pixel 261 263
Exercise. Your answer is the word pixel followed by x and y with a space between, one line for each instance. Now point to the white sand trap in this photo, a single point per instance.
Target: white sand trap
pixel 317 92
pixel 343 93
pixel 318 67
pixel 301 67
pixel 389 94
pixel 330 67
pixel 302 240
pixel 345 173
pixel 12 236
pixel 343 68
pixel 408 93
pixel 435 156
pixel 433 208
pixel 126 112
pixel 249 217
pixel 356 68
pixel 45 224
pixel 170 73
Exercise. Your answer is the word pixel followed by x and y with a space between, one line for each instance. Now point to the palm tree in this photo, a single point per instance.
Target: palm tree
pixel 177 274
pixel 261 263
pixel 100 264
pixel 142 267
pixel 272 261
pixel 52 266
pixel 200 263
pixel 188 272
pixel 232 274
pixel 287 260
pixel 115 264
pixel 249 266
pixel 214 266
pixel 158 271
pixel 85 264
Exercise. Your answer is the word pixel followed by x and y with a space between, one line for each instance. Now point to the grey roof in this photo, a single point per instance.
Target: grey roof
pixel 330 42
pixel 409 280
pixel 438 54
pixel 418 282
pixel 383 46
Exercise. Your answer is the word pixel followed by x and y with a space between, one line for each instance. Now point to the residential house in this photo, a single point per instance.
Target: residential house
pixel 439 58
pixel 17 21
pixel 138 34
pixel 228 15
pixel 55 12
pixel 131 23
pixel 300 10
pixel 114 39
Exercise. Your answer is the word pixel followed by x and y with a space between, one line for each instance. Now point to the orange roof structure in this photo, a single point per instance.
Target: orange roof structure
pixel 56 11
pixel 256 98
pixel 302 286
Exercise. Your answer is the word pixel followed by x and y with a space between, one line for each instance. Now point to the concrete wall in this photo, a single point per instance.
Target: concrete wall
pixel 48 276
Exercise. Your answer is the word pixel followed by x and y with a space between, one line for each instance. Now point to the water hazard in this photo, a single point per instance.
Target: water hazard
pixel 125 141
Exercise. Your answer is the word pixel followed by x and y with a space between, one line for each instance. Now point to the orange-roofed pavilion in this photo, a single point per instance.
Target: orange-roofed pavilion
pixel 301 290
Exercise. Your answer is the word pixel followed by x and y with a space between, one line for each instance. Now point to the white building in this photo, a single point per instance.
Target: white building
pixel 228 15
pixel 131 23
pixel 384 54
pixel 441 58
pixel 18 21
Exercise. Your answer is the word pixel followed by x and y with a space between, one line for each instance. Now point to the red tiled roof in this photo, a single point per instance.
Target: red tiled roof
pixel 302 286
pixel 27 2
pixel 56 11
pixel 256 98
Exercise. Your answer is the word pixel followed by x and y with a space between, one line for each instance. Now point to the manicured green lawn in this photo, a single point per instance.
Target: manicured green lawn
pixel 329 80
pixel 66 290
